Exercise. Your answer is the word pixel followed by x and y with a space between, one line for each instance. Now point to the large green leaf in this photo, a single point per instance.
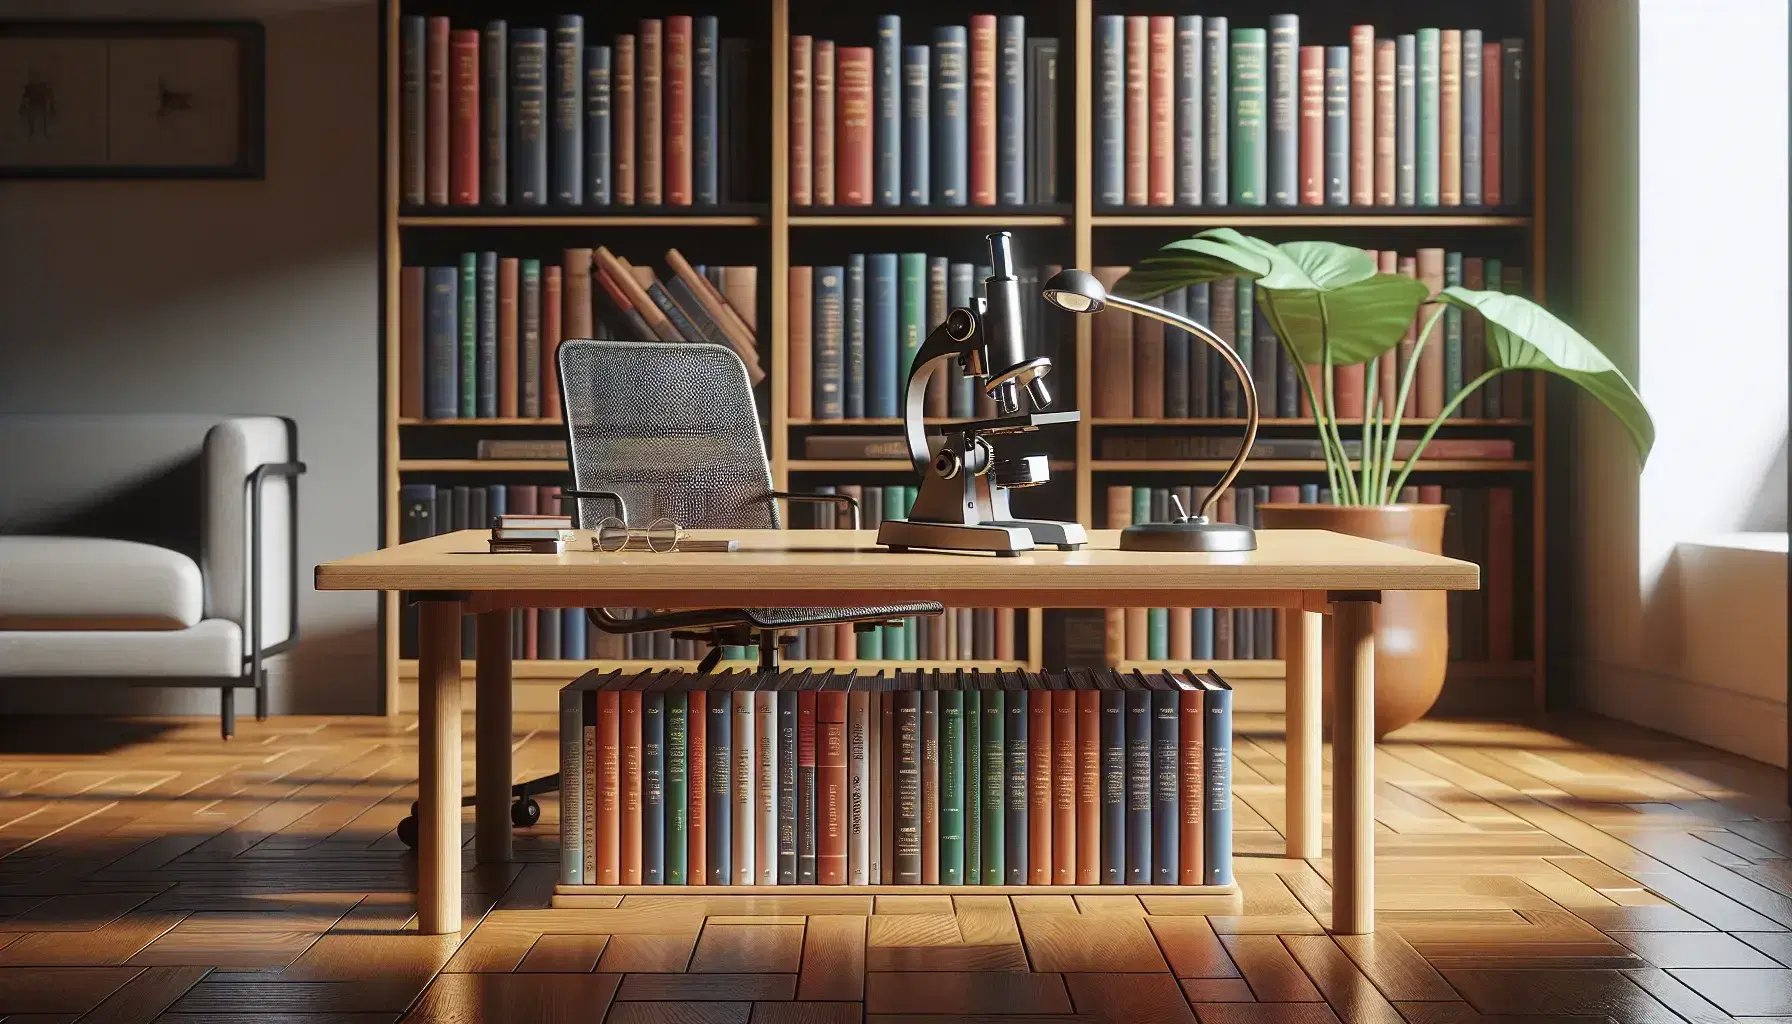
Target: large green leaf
pixel 1522 335
pixel 1213 255
pixel 1364 318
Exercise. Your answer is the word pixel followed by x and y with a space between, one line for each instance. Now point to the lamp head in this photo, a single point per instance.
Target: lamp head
pixel 1076 291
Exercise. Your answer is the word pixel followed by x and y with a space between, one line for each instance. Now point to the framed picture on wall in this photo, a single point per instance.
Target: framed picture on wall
pixel 96 99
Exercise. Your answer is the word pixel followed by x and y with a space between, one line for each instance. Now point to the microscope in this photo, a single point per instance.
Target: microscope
pixel 963 501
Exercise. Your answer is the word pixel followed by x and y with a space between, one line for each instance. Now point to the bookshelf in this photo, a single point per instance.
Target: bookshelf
pixel 777 234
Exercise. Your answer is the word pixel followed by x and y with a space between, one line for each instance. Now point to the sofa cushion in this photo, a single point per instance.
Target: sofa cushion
pixel 94 583
pixel 210 648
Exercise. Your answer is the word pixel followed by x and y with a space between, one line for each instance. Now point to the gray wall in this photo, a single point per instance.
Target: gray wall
pixel 227 296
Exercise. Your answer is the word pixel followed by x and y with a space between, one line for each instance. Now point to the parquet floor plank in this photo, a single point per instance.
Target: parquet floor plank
pixel 1133 998
pixel 563 954
pixel 833 967
pixel 747 949
pixel 502 998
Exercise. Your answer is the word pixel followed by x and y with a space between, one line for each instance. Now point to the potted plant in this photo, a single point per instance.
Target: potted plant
pixel 1330 307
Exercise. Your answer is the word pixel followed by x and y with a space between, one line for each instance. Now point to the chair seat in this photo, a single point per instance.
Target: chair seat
pixel 793 618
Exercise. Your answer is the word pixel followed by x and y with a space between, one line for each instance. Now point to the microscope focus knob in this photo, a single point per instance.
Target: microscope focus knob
pixel 1027 471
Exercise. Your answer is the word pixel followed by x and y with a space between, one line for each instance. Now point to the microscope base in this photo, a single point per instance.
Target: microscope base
pixel 902 534
pixel 1063 536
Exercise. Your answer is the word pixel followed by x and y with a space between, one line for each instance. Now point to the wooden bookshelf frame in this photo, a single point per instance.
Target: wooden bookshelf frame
pixel 1081 219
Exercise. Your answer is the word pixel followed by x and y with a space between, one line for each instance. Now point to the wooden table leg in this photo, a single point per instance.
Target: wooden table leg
pixel 491 736
pixel 438 768
pixel 1353 767
pixel 1302 641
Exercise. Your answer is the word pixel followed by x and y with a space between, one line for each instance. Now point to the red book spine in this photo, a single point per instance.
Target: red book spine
pixel 1388 262
pixel 1431 494
pixel 678 110
pixel 983 110
pixel 1138 110
pixel 1384 122
pixel 1088 787
pixel 1491 77
pixel 1160 172
pixel 1189 735
pixel 1362 119
pixel 463 132
pixel 622 120
pixel 410 342
pixel 1039 787
pixel 1285 494
pixel 577 323
pixel 805 762
pixel 1312 126
pixel 650 119
pixel 436 129
pixel 1064 793
pixel 609 788
pixel 1499 586
pixel 821 75
pixel 801 118
pixel 1430 384
pixel 696 863
pixel 1182 634
pixel 830 787
pixel 631 787
pixel 551 299
pixel 531 634
pixel 852 140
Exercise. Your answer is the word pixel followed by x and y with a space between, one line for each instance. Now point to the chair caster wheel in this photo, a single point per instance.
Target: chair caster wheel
pixel 525 813
pixel 407 832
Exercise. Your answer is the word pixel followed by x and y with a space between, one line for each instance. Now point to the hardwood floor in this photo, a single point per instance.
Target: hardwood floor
pixel 1583 871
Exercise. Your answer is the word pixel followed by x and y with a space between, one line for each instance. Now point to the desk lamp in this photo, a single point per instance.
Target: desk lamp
pixel 963 501
pixel 1078 291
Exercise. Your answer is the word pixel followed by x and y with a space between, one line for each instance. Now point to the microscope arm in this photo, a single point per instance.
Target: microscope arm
pixel 939 346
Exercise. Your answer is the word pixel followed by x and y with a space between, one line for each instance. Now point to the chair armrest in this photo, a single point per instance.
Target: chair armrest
pixel 837 499
pixel 258 477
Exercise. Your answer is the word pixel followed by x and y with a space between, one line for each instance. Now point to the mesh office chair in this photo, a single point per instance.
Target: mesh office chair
pixel 669 429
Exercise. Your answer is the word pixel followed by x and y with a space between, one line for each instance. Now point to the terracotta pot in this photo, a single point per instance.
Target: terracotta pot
pixel 1412 630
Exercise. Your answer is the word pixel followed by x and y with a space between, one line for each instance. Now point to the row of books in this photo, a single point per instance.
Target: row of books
pixel 1145 370
pixel 498 117
pixel 962 778
pixel 896 125
pixel 1191 112
pixel 855 328
pixel 478 339
pixel 1480 528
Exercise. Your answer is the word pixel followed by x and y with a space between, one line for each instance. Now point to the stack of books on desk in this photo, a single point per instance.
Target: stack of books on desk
pixel 1086 777
pixel 531 535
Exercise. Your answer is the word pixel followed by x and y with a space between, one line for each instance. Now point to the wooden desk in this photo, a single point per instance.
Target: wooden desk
pixel 1307 573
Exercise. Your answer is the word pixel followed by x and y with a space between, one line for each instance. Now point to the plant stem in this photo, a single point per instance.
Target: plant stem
pixel 1406 382
pixel 1371 431
pixel 1331 418
pixel 1333 461
pixel 1430 431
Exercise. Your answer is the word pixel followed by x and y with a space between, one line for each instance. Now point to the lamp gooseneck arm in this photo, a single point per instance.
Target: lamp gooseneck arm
pixel 1227 353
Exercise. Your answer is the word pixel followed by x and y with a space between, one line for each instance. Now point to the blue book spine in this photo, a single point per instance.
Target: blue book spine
pixel 1014 817
pixel 597 126
pixel 567 140
pixel 678 756
pixel 1177 348
pixel 912 319
pixel 1284 109
pixel 786 787
pixel 1309 494
pixel 1188 109
pixel 705 165
pixel 413 33
pixel 916 95
pixel 468 294
pixel 494 109
pixel 828 327
pixel 1263 366
pixel 1337 126
pixel 496 503
pixel 886 125
pixel 653 788
pixel 1426 152
pixel 1216 746
pixel 1202 646
pixel 950 151
pixel 881 354
pixel 1471 117
pixel 1200 357
pixel 1216 111
pixel 1113 787
pixel 573 631
pixel 487 375
pixel 1138 787
pixel 528 126
pixel 1287 375
pixel 1406 121
pixel 1110 110
pixel 853 384
pixel 1452 333
pixel 1166 786
pixel 961 290
pixel 1011 109
pixel 718 822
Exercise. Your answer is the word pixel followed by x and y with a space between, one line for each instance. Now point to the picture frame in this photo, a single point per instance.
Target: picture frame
pixel 132 99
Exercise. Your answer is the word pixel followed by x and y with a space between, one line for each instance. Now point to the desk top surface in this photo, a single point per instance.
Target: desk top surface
pixel 826 563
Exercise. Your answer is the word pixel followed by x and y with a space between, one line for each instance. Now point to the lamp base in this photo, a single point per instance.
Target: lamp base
pixel 1209 537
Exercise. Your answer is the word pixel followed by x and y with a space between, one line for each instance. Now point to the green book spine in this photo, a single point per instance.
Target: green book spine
pixel 1426 155
pixel 1250 134
pixel 469 334
pixel 1141 504
pixel 971 758
pixel 995 794
pixel 911 316
pixel 951 827
pixel 1157 634
pixel 677 791
pixel 871 644
pixel 1452 334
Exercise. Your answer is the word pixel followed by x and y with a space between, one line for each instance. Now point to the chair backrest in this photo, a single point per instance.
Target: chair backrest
pixel 669 426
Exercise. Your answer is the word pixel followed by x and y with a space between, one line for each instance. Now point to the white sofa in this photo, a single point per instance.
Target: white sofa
pixel 151 550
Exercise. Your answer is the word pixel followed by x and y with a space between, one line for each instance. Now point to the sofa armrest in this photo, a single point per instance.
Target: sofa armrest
pixel 250 547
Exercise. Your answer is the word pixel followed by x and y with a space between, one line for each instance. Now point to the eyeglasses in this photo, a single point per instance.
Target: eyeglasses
pixel 662 535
